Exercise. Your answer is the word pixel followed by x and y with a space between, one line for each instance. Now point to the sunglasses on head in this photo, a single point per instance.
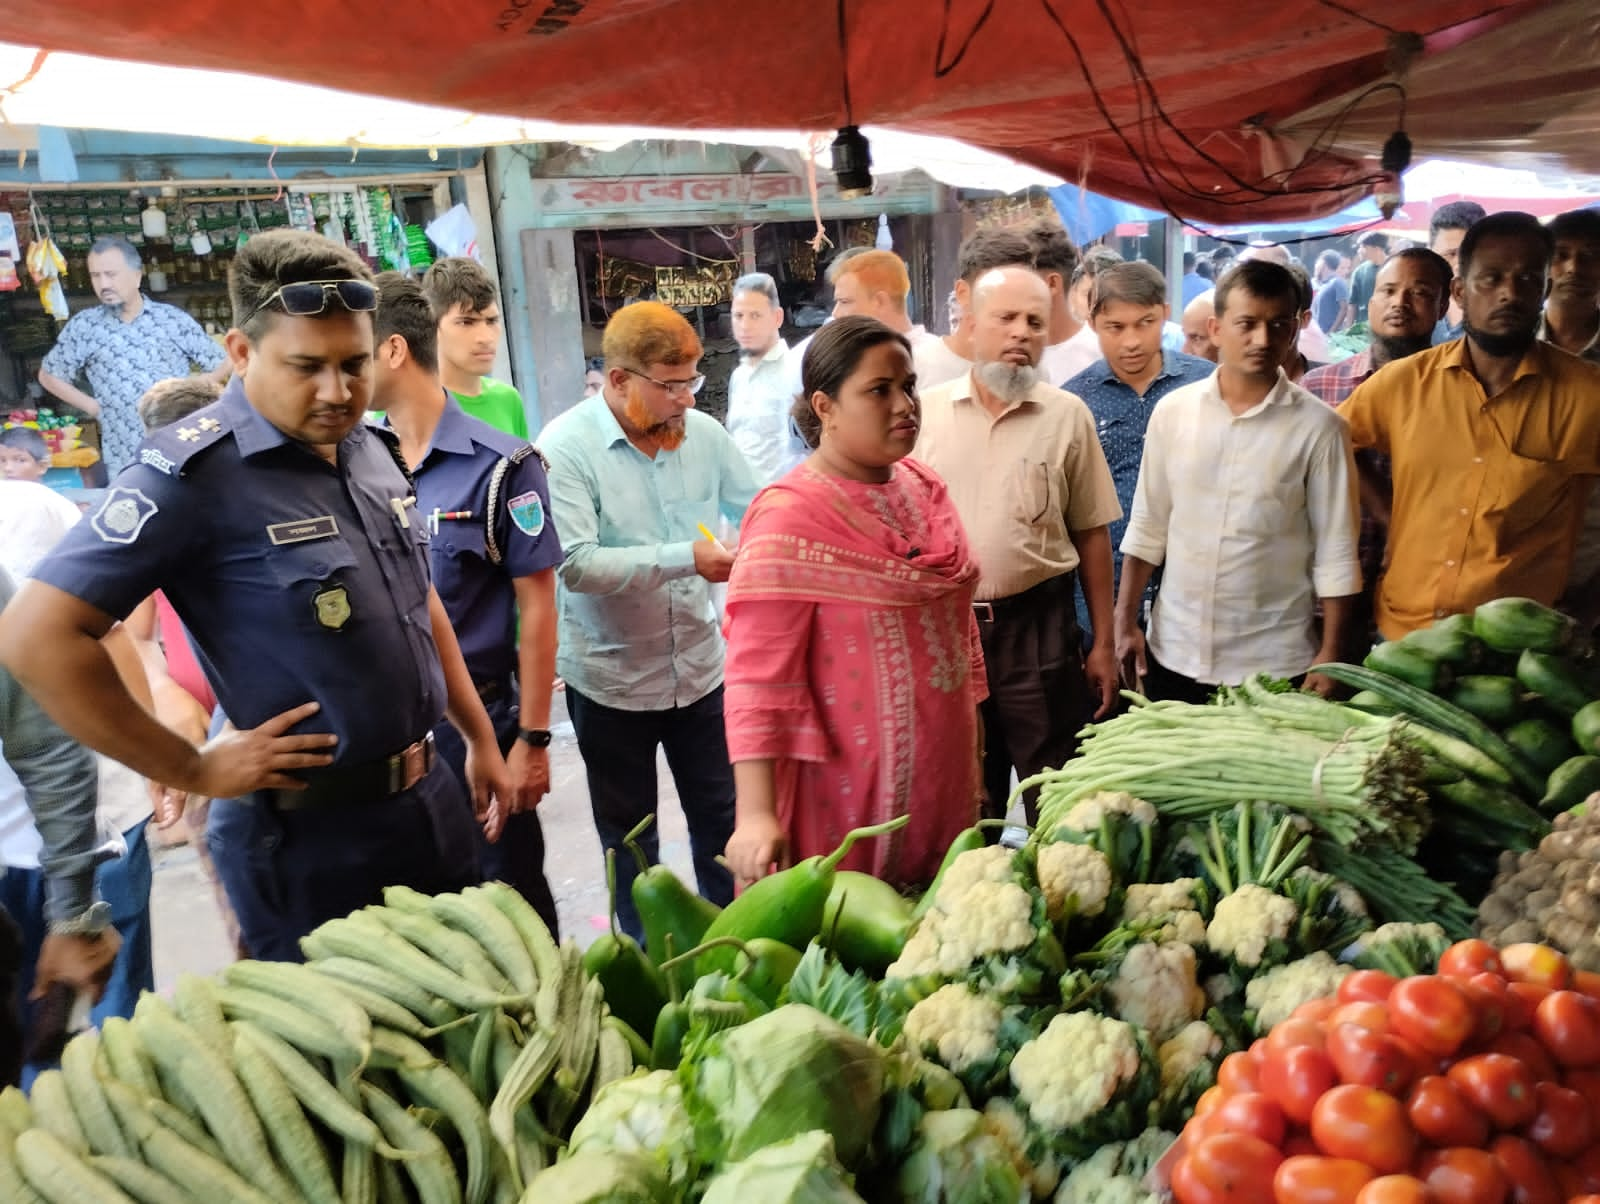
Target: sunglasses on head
pixel 308 298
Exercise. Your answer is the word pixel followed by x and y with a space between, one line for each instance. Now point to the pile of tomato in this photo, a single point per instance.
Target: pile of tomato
pixel 1479 1084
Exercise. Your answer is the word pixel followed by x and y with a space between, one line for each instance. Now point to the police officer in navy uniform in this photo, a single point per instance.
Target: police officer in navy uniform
pixel 483 497
pixel 285 533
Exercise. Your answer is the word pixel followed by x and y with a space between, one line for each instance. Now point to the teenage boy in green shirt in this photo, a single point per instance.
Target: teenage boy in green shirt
pixel 466 305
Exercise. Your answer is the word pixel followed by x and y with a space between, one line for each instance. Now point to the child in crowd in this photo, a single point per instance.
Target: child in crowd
pixel 24 455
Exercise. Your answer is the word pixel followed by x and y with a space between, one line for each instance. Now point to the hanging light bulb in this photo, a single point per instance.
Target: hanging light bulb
pixel 1389 192
pixel 852 163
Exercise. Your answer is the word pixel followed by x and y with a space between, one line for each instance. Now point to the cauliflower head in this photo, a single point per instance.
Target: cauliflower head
pixel 994 918
pixel 1155 988
pixel 1247 921
pixel 1036 1164
pixel 959 1027
pixel 992 863
pixel 1348 896
pixel 1086 813
pixel 1193 1046
pixel 1274 995
pixel 1076 880
pixel 1073 1070
pixel 1113 1174
pixel 1396 931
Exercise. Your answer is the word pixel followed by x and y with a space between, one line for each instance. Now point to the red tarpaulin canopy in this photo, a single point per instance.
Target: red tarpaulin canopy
pixel 1159 103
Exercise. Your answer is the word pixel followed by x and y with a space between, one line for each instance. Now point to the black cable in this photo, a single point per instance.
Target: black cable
pixel 940 67
pixel 1350 12
pixel 844 67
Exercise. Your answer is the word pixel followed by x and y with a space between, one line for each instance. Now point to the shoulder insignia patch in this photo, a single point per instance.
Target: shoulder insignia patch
pixel 170 448
pixel 527 512
pixel 122 515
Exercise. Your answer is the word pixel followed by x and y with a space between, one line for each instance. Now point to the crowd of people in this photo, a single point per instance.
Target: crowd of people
pixel 350 582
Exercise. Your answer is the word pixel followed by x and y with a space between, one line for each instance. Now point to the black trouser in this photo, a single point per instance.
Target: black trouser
pixel 517 858
pixel 619 758
pixel 1161 684
pixel 1038 696
pixel 10 1017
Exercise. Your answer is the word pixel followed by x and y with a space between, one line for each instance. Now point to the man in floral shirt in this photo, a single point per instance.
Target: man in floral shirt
pixel 123 346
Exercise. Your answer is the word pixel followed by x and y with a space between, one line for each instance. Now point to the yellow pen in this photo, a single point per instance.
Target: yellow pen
pixel 706 531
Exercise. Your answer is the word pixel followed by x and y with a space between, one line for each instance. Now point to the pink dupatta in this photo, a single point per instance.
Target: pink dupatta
pixel 853 663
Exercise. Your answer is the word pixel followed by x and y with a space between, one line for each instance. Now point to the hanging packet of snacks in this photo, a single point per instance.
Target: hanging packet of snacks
pixel 47 266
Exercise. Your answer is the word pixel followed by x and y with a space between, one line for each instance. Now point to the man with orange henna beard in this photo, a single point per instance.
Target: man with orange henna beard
pixel 638 480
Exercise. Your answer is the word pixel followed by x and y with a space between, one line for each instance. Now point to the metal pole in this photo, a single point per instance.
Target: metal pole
pixel 1173 238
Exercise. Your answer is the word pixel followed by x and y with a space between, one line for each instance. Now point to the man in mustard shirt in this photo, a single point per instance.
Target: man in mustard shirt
pixel 1494 438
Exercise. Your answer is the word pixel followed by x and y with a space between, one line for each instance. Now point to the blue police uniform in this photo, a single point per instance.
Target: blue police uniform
pixel 483 496
pixel 297 580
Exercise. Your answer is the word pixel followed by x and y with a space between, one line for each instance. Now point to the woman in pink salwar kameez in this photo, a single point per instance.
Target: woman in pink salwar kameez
pixel 854 671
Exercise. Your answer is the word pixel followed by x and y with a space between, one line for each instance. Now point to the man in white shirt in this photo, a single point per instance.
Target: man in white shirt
pixel 1247 495
pixel 1072 345
pixel 759 396
pixel 940 360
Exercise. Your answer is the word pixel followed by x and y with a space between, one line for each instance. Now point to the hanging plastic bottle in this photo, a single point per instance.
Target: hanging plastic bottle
pixel 199 240
pixel 885 240
pixel 153 220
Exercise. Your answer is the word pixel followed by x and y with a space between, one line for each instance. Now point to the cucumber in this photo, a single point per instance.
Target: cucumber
pixel 1448 640
pixel 1543 744
pixel 1497 805
pixel 1373 704
pixel 1586 729
pixel 1495 700
pixel 1519 624
pixel 1424 670
pixel 1560 684
pixel 1572 783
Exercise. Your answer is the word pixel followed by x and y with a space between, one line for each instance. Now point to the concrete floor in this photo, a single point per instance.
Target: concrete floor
pixel 188 930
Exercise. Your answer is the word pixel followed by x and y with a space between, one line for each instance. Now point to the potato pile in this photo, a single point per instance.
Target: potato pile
pixel 1551 894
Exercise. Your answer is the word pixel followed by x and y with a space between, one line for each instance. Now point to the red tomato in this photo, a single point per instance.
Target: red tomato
pixel 1369 1059
pixel 1587 1164
pixel 1210 1098
pixel 1587 982
pixel 1229 1168
pixel 1587 1084
pixel 1296 1078
pixel 1466 958
pixel 1252 1113
pixel 1488 1008
pixel 1501 1087
pixel 1315 1010
pixel 1396 1189
pixel 1311 1180
pixel 1239 1073
pixel 1425 1062
pixel 1526 1050
pixel 1522 1001
pixel 1258 1050
pixel 1362 1012
pixel 1366 986
pixel 1537 964
pixel 1442 1116
pixel 1563 1127
pixel 1294 1032
pixel 1366 1124
pixel 1568 1025
pixel 1299 1144
pixel 1529 1178
pixel 1587 1199
pixel 1432 1011
pixel 1463 1176
pixel 1569 1179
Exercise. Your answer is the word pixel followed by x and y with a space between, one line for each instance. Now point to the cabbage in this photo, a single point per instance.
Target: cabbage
pixel 600 1177
pixel 781 1075
pixel 802 1170
pixel 956 1161
pixel 640 1114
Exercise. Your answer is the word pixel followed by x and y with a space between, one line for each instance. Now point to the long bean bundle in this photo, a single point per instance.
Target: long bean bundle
pixel 1357 781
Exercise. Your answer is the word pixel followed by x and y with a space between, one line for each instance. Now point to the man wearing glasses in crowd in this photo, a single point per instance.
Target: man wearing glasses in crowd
pixel 638 481
pixel 285 533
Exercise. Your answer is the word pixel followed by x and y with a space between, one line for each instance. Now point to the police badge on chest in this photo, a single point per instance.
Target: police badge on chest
pixel 331 606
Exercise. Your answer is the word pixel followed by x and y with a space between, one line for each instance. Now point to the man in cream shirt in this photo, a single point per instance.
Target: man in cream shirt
pixel 1246 494
pixel 1028 477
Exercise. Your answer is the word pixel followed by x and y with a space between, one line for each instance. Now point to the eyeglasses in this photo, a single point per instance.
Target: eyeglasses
pixel 308 298
pixel 687 387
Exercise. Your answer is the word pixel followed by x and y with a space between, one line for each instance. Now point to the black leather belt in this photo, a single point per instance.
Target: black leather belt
pixel 493 691
pixel 1028 600
pixel 372 782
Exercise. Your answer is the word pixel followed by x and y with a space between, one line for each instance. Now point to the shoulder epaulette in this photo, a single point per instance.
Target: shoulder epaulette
pixel 170 448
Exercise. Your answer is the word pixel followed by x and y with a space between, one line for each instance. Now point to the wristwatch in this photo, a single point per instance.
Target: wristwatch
pixel 90 923
pixel 534 737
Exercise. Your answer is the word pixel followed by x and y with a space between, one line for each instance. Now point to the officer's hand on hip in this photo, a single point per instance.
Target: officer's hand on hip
pixel 530 775
pixel 263 758
pixel 81 962
pixel 490 783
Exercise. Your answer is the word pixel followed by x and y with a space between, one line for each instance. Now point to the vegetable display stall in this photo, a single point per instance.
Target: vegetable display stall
pixel 1205 887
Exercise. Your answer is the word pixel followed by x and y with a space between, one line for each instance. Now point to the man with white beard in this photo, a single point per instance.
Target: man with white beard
pixel 1031 484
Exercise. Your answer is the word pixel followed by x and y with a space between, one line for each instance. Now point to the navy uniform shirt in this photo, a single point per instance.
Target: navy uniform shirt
pixel 501 530
pixel 296 579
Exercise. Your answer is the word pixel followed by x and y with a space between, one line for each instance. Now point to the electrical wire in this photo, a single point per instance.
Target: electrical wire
pixel 940 67
pixel 844 67
pixel 1350 12
pixel 659 237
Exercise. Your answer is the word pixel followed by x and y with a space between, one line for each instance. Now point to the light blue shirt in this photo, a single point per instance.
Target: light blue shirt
pixel 637 628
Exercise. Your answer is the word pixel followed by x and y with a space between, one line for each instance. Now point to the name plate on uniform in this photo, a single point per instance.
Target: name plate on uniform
pixel 304 529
